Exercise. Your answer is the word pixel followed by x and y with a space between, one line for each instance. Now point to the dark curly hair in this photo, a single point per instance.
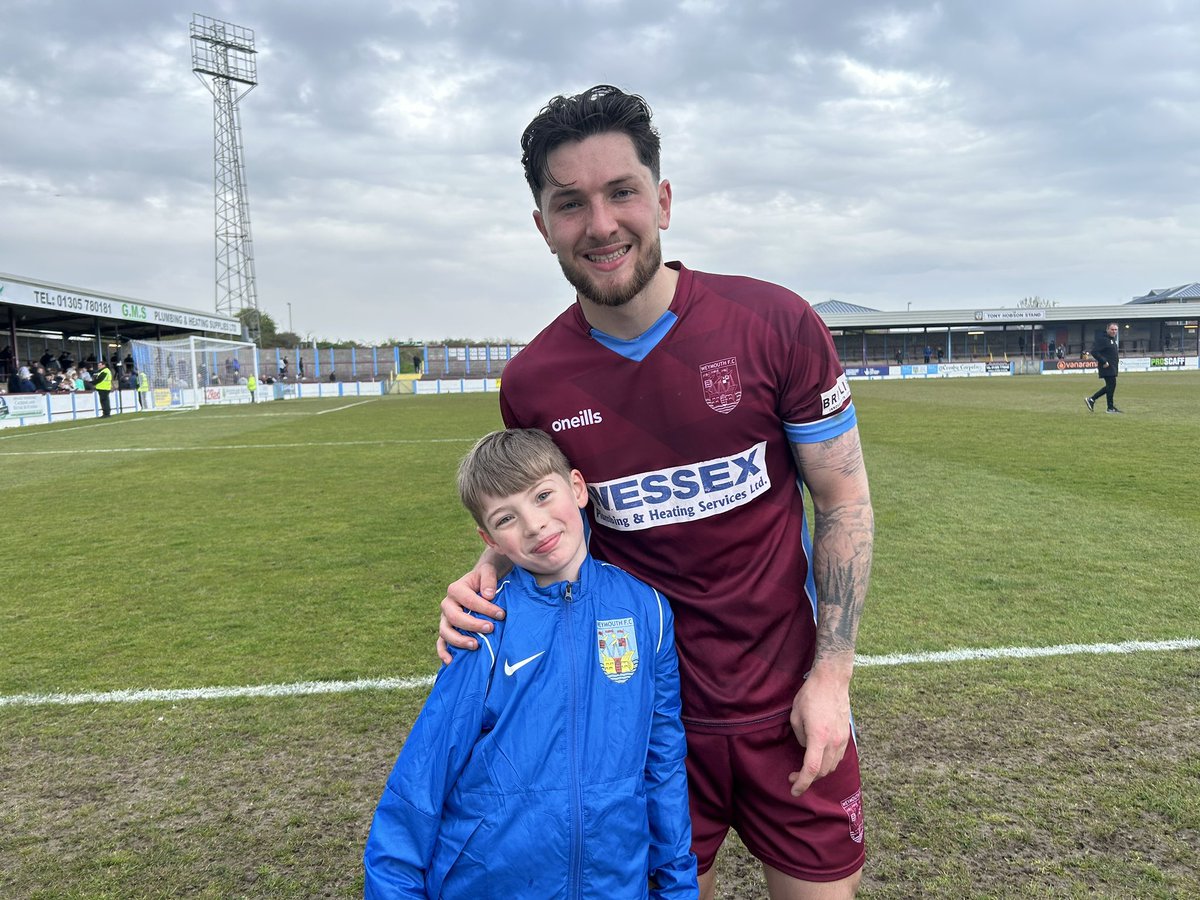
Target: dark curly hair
pixel 597 110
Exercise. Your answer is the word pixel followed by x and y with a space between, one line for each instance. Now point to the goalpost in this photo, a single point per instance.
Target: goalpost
pixel 188 372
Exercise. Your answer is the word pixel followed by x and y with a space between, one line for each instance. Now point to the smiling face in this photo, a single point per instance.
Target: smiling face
pixel 603 218
pixel 540 528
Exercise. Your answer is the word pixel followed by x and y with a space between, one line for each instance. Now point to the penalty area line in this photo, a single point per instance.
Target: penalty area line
pixel 304 688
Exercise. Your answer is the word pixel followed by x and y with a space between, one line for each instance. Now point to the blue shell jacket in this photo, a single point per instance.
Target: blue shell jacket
pixel 550 762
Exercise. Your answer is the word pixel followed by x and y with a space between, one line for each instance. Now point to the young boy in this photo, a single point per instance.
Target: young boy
pixel 551 763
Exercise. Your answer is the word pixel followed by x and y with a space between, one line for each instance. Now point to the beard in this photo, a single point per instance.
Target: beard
pixel 617 295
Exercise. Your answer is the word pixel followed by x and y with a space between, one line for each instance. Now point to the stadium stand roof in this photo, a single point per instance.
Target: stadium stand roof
pixel 1181 294
pixel 840 308
pixel 34 305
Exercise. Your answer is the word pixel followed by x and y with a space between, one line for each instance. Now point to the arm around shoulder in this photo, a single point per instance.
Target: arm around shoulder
pixel 472 593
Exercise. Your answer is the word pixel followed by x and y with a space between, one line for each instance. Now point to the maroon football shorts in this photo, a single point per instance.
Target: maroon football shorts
pixel 741 781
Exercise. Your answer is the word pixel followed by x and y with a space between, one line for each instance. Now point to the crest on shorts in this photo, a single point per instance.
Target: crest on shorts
pixel 617 642
pixel 722 384
pixel 853 807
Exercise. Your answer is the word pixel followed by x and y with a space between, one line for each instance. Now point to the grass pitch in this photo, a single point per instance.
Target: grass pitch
pixel 311 540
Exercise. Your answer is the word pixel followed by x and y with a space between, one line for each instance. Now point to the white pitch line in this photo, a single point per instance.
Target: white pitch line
pixel 124 419
pixel 949 656
pixel 248 416
pixel 235 447
pixel 348 406
pixel 407 684
pixel 220 693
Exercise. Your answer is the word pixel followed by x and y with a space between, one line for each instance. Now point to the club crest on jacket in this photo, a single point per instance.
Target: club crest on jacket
pixel 617 643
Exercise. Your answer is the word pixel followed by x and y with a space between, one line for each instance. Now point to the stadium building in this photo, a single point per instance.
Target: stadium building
pixel 1160 322
pixel 36 315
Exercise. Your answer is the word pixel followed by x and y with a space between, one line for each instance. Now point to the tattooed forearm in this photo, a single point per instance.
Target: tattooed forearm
pixel 843 538
pixel 842 547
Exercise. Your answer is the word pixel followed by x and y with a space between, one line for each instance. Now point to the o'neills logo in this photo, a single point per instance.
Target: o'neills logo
pixel 581 419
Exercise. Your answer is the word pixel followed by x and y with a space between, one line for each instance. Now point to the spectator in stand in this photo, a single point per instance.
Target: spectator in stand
pixel 928 353
pixel 40 381
pixel 417 363
pixel 25 381
pixel 85 378
pixel 47 358
pixel 66 360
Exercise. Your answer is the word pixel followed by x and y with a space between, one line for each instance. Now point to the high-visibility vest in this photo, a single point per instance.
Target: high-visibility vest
pixel 143 382
pixel 251 382
pixel 103 380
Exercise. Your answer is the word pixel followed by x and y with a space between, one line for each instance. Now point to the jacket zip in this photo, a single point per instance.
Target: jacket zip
pixel 576 880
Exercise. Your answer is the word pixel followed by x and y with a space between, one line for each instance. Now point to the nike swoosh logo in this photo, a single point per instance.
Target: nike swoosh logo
pixel 509 668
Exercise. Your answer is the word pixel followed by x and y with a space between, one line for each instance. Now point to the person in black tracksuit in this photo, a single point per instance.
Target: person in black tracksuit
pixel 1104 350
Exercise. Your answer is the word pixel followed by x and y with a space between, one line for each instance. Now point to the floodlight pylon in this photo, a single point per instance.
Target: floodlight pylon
pixel 223 58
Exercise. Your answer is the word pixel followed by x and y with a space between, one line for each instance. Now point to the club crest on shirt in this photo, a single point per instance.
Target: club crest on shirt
pixel 617 642
pixel 722 384
pixel 853 807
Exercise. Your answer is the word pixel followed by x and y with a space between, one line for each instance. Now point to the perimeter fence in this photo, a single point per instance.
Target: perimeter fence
pixel 378 363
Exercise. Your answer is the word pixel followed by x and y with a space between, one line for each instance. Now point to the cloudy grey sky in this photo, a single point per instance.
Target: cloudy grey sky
pixel 947 155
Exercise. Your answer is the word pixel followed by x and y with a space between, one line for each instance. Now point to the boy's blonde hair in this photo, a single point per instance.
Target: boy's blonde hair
pixel 504 463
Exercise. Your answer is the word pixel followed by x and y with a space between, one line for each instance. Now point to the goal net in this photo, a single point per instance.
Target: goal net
pixel 188 372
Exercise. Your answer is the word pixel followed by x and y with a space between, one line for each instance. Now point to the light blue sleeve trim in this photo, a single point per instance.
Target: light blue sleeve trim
pixel 822 429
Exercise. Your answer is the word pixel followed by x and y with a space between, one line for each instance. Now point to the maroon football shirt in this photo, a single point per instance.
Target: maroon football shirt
pixel 683 436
